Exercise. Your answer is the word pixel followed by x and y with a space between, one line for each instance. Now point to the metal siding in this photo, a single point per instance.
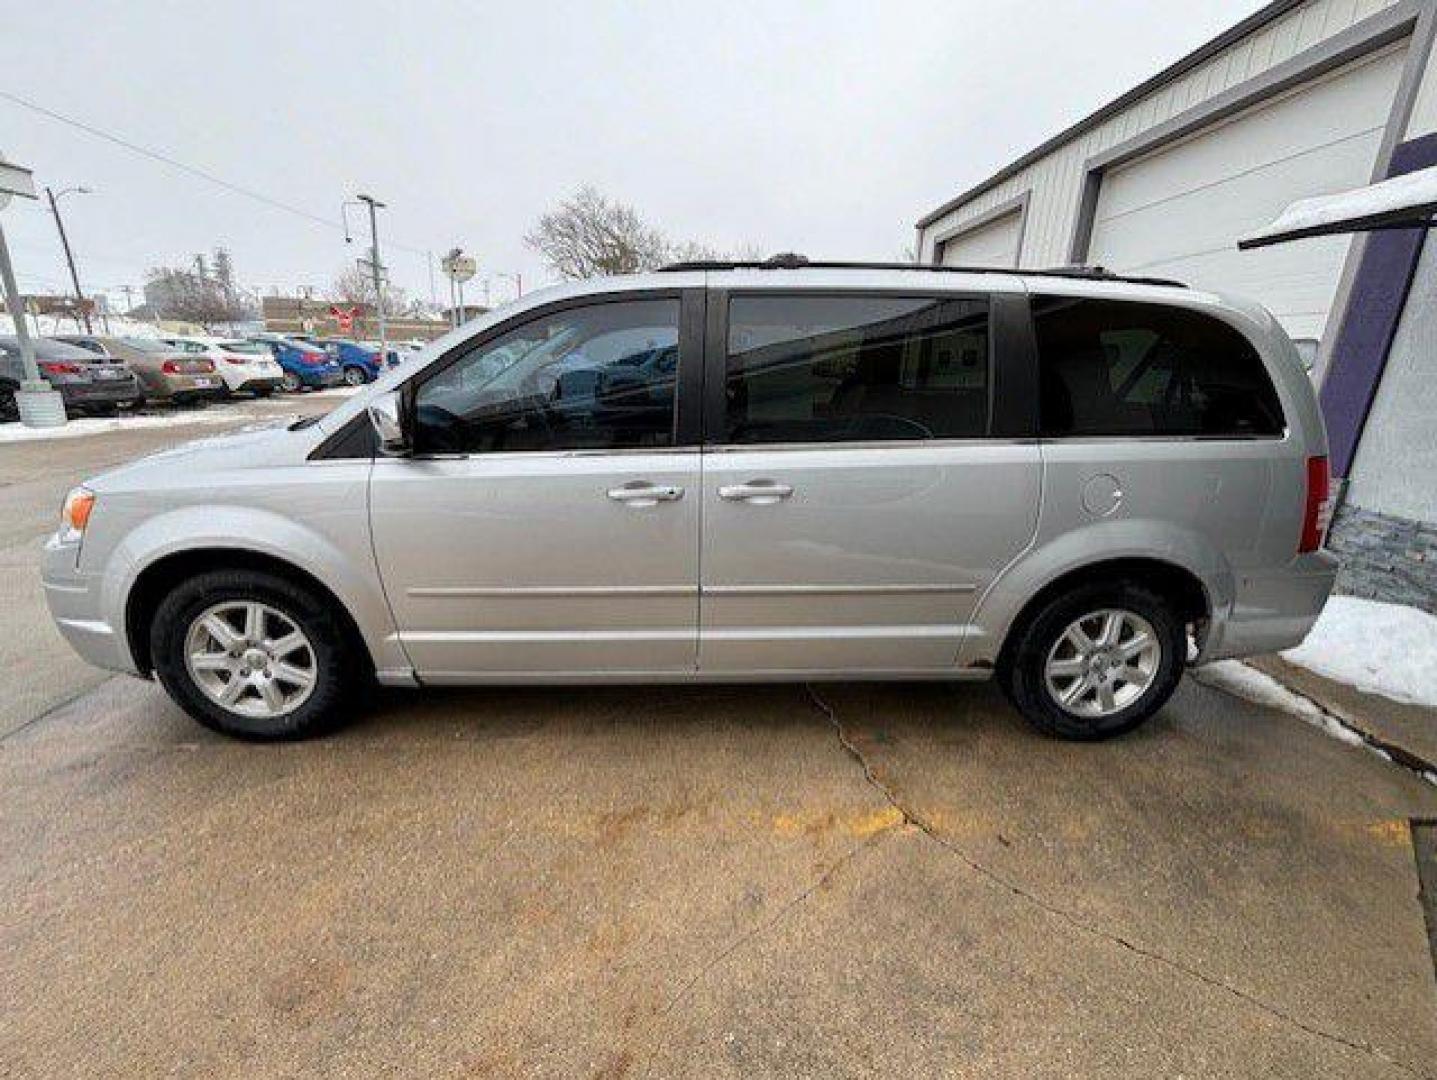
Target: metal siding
pixel 1054 180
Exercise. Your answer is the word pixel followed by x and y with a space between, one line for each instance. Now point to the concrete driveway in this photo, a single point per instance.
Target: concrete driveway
pixel 747 881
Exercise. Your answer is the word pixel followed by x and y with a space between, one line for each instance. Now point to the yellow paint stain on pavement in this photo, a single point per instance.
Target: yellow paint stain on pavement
pixel 1393 832
pixel 860 825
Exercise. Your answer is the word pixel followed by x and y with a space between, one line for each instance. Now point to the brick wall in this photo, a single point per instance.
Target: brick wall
pixel 1385 557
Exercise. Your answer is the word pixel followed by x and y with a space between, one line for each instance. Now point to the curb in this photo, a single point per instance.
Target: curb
pixel 1406 732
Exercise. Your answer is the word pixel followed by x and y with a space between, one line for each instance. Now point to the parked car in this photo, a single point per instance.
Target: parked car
pixel 241 366
pixel 305 365
pixel 87 383
pixel 394 353
pixel 359 363
pixel 166 372
pixel 1077 483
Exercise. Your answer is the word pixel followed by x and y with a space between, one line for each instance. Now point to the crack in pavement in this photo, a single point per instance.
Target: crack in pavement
pixel 756 932
pixel 927 829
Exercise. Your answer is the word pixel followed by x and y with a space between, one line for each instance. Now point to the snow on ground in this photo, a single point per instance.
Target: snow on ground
pixel 213 415
pixel 1237 678
pixel 1378 648
pixel 101 425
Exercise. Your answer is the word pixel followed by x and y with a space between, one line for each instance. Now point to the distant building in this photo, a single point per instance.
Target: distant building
pixel 301 315
pixel 1304 98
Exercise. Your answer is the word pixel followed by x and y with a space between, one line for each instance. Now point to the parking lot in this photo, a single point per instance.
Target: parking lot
pixel 739 881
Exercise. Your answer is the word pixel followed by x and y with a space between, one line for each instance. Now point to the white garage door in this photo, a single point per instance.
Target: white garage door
pixel 994 244
pixel 1179 211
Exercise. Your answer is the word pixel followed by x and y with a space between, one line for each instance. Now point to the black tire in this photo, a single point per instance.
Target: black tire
pixel 339 666
pixel 9 408
pixel 263 391
pixel 291 383
pixel 355 376
pixel 1022 671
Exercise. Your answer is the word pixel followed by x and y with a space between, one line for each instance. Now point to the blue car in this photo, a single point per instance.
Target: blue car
pixel 304 364
pixel 358 362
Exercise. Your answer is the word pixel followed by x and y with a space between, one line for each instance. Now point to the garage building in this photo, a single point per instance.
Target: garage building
pixel 1304 98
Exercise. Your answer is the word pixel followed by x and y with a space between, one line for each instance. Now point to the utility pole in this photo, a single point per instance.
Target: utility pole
pixel 377 269
pixel 65 243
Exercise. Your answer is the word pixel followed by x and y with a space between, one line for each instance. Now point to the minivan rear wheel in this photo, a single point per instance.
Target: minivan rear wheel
pixel 254 655
pixel 1095 662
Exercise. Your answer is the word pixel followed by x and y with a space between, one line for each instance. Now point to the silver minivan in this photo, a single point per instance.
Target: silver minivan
pixel 778 471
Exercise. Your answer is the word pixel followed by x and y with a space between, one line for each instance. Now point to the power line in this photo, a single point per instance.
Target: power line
pixel 175 163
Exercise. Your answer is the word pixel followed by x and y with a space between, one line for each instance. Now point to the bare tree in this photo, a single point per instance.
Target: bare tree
pixel 356 286
pixel 590 236
pixel 186 296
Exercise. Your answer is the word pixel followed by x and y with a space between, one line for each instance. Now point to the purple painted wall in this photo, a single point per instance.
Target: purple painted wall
pixel 1369 323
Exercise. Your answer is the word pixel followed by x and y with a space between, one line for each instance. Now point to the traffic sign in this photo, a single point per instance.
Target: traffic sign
pixel 458 266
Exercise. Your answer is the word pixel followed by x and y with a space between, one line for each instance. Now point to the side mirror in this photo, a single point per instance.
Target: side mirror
pixel 384 414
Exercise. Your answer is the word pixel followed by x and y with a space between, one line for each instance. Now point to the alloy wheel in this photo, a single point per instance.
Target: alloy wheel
pixel 251 659
pixel 1102 663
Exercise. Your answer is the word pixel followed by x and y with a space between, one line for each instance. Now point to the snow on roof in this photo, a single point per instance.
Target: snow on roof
pixel 1408 200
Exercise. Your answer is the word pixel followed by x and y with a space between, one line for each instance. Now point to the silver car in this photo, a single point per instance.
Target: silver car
pixel 1077 483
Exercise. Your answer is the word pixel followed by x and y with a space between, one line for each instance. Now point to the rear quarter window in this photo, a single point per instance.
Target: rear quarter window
pixel 1113 367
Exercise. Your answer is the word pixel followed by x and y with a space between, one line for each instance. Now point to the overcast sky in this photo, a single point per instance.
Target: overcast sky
pixel 825 128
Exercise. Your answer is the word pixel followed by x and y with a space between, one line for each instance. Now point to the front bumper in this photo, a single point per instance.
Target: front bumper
pixel 1274 610
pixel 76 602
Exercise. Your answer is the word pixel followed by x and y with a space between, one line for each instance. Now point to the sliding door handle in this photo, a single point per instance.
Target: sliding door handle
pixel 755 492
pixel 641 494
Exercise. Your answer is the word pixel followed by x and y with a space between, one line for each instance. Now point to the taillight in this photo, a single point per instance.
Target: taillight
pixel 314 358
pixel 56 367
pixel 1317 514
pixel 170 367
pixel 238 361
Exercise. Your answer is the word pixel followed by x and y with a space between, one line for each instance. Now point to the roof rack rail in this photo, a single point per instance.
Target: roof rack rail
pixel 792 261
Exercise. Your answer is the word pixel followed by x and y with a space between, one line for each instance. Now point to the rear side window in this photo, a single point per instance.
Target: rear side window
pixel 855 368
pixel 1110 367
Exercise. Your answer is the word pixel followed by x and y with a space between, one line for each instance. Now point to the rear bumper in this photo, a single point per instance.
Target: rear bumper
pixel 190 386
pixel 119 392
pixel 77 605
pixel 260 384
pixel 319 379
pixel 1274 610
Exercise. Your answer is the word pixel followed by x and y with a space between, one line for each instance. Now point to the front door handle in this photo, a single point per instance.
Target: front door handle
pixel 756 492
pixel 641 494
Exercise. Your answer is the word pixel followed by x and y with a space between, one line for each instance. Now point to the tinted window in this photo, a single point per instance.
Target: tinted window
pixel 1118 368
pixel 599 377
pixel 842 369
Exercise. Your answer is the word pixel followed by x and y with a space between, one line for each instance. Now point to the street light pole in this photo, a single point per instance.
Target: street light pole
pixel 376 268
pixel 65 243
pixel 38 403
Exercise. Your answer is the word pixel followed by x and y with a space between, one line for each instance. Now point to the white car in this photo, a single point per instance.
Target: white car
pixel 243 365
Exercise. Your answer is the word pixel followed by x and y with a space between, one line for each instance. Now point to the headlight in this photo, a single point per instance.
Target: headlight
pixel 75 513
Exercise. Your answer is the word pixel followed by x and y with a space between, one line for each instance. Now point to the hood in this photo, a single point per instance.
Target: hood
pixel 185 465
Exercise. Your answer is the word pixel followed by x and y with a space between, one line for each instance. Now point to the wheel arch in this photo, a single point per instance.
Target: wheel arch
pixel 1183 587
pixel 1181 562
pixel 157 579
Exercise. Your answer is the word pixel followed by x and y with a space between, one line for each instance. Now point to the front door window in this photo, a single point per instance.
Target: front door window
pixel 602 376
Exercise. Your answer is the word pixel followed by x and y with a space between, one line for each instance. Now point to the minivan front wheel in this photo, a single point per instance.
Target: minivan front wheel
pixel 1096 662
pixel 254 655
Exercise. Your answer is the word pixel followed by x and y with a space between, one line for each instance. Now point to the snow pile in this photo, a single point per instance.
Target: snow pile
pixel 1378 648
pixel 1237 678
